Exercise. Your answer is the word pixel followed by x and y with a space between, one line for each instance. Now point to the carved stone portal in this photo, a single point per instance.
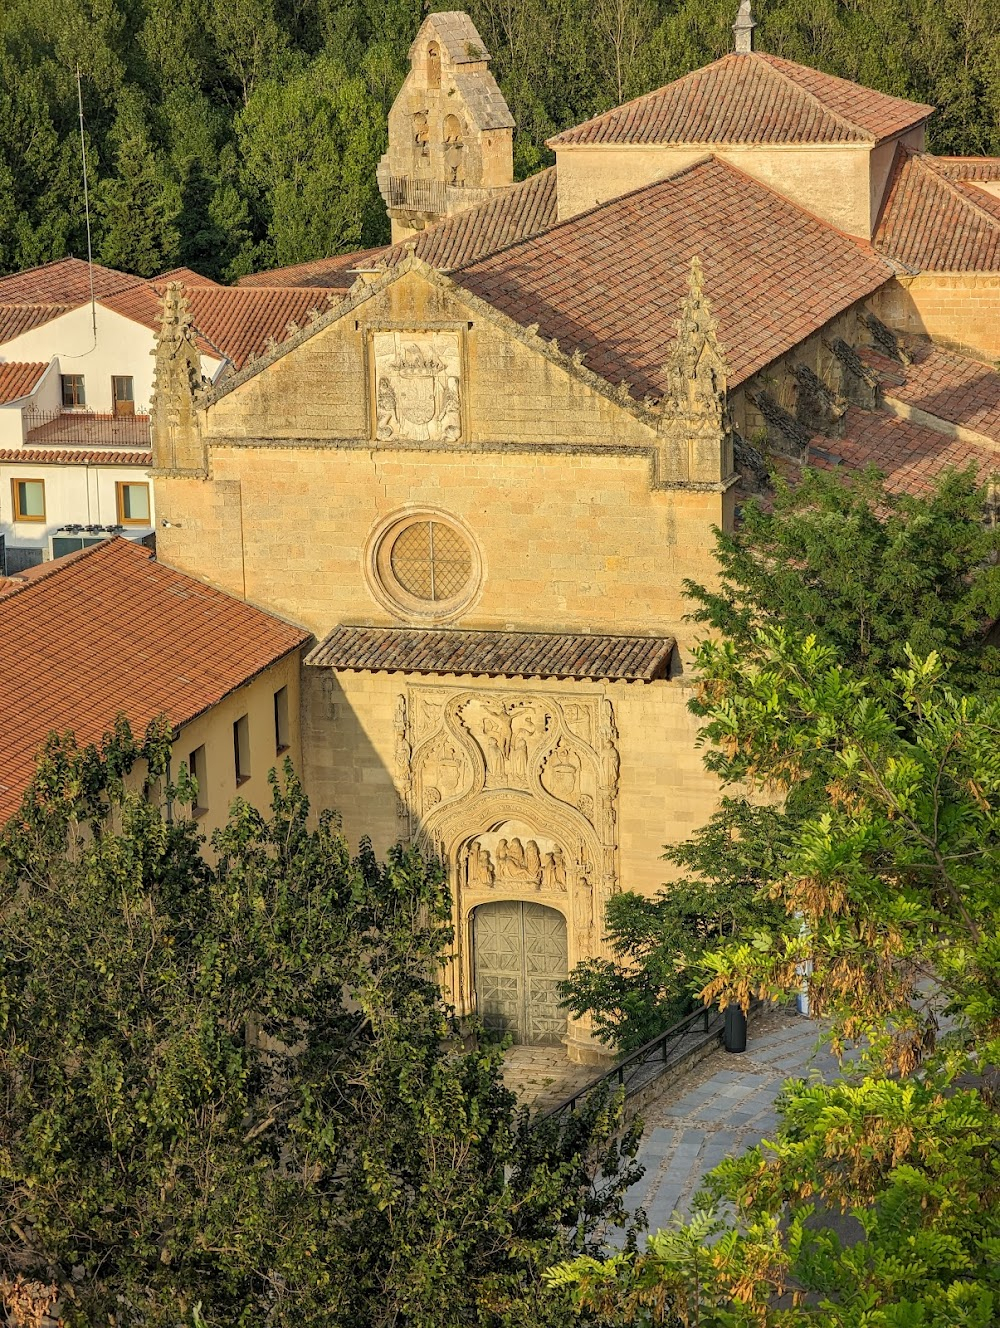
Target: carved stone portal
pixel 417 386
pixel 518 793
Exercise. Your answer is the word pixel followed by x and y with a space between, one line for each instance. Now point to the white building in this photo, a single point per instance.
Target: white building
pixel 76 382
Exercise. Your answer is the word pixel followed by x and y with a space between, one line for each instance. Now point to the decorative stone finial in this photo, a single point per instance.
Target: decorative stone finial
pixel 176 379
pixel 743 28
pixel 695 416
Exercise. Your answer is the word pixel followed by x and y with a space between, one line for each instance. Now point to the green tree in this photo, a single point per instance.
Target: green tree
pixel 891 897
pixel 231 1091
pixel 652 979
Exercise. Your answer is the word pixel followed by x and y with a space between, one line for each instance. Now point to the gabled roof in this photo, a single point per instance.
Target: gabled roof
pixel 69 456
pixel 609 281
pixel 457 34
pixel 752 98
pixel 19 380
pixel 64 282
pixel 18 318
pixel 109 630
pixel 185 274
pixel 932 220
pixel 336 273
pixel 233 322
pixel 495 654
pixel 519 212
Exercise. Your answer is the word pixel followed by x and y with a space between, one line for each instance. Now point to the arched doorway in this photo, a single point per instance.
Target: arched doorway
pixel 519 957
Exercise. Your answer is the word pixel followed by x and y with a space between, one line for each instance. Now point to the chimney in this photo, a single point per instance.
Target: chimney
pixel 743 28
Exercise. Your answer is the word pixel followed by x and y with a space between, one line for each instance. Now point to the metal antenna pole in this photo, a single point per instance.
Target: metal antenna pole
pixel 86 205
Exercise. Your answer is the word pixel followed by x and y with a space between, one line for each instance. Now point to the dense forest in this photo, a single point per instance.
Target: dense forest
pixel 234 135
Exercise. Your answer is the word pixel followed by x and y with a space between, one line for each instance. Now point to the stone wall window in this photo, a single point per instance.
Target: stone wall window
pixel 425 566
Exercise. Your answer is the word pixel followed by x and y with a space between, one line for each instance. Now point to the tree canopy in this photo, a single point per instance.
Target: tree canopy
pixel 236 136
pixel 231 1092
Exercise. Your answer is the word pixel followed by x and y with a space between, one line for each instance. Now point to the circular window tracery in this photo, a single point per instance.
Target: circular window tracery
pixel 424 565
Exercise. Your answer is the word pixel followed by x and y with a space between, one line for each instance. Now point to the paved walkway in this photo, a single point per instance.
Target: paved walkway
pixel 542 1076
pixel 722 1107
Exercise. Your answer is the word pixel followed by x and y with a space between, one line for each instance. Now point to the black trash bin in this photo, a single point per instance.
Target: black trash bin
pixel 735 1032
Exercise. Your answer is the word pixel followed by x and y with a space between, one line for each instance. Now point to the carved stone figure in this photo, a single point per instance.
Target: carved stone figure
pixel 554 871
pixel 479 867
pixel 417 386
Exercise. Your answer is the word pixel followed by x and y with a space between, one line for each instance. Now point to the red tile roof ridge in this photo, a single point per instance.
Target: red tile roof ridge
pixel 51 456
pixel 925 161
pixel 775 66
pixel 577 217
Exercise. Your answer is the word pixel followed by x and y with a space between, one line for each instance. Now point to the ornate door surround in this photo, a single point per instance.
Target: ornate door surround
pixel 516 791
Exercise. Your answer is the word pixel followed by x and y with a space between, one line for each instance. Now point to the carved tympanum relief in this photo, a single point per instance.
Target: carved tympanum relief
pixel 519 791
pixel 417 386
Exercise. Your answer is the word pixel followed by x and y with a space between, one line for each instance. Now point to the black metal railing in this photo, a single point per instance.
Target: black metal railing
pixel 640 1067
pixel 86 428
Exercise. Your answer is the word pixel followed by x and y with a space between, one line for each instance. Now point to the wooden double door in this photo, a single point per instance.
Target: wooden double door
pixel 520 956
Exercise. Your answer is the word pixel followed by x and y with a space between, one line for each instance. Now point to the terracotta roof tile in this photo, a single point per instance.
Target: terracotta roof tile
pixel 18 318
pixel 185 274
pixel 526 209
pixel 944 384
pixel 49 456
pixel 752 98
pixel 109 630
pixel 910 455
pixel 610 281
pixel 969 168
pixel 65 281
pixel 495 654
pixel 336 273
pixel 933 221
pixel 234 323
pixel 19 380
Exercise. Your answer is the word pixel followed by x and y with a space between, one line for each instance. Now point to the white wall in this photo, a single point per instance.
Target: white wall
pixel 123 348
pixel 46 397
pixel 75 494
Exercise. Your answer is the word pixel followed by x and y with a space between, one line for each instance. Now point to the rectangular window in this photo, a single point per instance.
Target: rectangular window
pixel 133 503
pixel 29 500
pixel 73 393
pixel 122 395
pixel 241 749
pixel 198 772
pixel 281 720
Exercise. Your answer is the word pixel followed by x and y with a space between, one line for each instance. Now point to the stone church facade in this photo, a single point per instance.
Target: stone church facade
pixel 481 474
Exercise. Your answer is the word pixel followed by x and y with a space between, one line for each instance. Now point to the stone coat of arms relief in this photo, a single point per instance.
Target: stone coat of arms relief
pixel 417 386
pixel 517 792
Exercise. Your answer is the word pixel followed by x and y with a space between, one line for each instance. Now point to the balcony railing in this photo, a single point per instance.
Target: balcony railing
pixel 87 428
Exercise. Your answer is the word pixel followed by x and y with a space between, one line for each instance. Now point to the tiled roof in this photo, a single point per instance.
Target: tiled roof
pixel 944 384
pixel 235 323
pixel 326 273
pixel 19 380
pixel 495 654
pixel 108 631
pixel 48 456
pixel 933 221
pixel 752 98
pixel 18 318
pixel 519 212
pixel 66 281
pixel 969 168
pixel 610 281
pixel 910 455
pixel 185 274
pixel 457 34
